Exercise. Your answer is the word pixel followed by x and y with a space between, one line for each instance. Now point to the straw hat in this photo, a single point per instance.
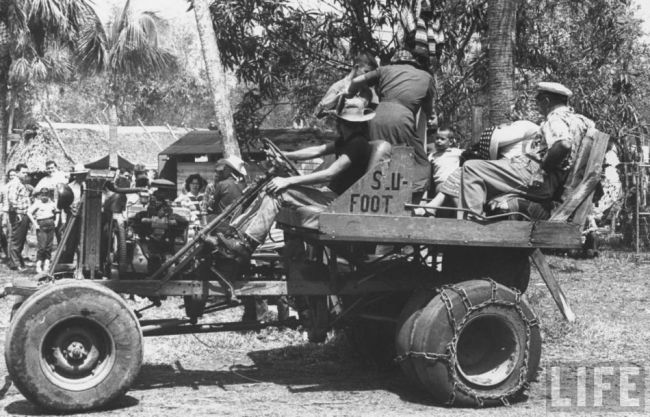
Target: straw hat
pixel 354 110
pixel 235 163
pixel 403 56
pixel 79 169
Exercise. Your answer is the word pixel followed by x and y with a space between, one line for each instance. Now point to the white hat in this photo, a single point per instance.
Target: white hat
pixel 235 163
pixel 79 169
pixel 555 88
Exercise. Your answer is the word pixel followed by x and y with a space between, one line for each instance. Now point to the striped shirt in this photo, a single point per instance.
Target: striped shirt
pixel 17 197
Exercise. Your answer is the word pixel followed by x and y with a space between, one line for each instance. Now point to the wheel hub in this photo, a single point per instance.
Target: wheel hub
pixel 76 353
pixel 487 351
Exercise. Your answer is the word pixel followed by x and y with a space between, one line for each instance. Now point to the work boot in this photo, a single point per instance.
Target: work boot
pixel 237 246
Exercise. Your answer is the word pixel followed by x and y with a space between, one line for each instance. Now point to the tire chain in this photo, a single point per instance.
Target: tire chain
pixel 450 358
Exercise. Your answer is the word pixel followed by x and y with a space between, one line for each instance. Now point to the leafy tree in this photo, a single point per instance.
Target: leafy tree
pixel 128 49
pixel 34 35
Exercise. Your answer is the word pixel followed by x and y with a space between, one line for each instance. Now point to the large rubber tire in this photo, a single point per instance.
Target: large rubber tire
pixel 73 346
pixel 476 343
pixel 405 326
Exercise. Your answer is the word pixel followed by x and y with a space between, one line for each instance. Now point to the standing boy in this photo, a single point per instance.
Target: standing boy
pixel 44 216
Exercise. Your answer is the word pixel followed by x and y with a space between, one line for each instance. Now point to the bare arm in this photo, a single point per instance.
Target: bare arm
pixel 30 214
pixel 556 154
pixel 363 81
pixel 341 164
pixel 310 152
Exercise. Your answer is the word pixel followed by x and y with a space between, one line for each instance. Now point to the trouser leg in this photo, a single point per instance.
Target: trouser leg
pixel 484 180
pixel 19 228
pixel 298 196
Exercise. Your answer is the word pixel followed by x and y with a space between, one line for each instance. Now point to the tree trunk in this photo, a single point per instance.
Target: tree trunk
pixel 4 133
pixel 501 18
pixel 216 77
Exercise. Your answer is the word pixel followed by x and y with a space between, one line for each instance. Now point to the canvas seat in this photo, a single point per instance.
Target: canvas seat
pixel 306 217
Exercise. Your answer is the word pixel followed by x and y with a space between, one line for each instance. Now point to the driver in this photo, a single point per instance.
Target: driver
pixel 352 150
pixel 161 226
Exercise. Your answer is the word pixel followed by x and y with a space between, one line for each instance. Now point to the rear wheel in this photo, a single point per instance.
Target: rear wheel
pixel 73 347
pixel 476 343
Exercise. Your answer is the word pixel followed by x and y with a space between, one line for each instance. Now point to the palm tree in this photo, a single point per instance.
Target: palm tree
pixel 126 48
pixel 501 19
pixel 32 35
pixel 216 77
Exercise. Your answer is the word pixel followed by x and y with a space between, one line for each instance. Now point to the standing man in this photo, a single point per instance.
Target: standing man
pixel 77 186
pixel 53 178
pixel 536 176
pixel 17 203
pixel 228 185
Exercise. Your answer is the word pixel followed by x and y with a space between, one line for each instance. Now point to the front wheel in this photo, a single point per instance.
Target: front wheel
pixel 73 347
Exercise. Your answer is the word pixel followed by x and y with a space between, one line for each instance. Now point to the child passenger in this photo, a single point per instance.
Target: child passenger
pixel 44 215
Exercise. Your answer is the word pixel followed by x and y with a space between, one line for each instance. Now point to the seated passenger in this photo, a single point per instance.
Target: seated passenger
pixel 539 175
pixel 353 152
pixel 496 142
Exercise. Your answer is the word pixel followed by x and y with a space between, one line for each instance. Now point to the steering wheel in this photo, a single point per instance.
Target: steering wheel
pixel 277 154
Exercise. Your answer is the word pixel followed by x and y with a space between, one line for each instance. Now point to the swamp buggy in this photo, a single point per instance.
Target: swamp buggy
pixel 445 298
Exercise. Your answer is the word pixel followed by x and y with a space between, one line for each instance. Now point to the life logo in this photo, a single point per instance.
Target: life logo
pixel 577 387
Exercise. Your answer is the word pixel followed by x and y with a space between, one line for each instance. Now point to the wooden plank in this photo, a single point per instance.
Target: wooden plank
pixel 595 164
pixel 585 176
pixel 422 230
pixel 382 190
pixel 556 235
pixel 553 286
pixel 261 288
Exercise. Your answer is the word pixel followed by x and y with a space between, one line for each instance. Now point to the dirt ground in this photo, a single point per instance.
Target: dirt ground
pixel 278 373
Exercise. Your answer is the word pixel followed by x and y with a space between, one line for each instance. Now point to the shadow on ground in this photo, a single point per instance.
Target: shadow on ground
pixel 301 369
pixel 25 408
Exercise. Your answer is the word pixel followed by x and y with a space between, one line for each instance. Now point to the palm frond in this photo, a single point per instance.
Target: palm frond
pixel 135 49
pixel 92 46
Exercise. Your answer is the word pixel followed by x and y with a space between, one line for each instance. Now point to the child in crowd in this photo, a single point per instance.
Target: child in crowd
pixel 44 214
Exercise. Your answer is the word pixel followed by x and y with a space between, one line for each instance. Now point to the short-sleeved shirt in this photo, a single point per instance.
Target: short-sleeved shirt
pixel 562 123
pixel 443 163
pixel 219 195
pixel 358 149
pixel 51 181
pixel 42 211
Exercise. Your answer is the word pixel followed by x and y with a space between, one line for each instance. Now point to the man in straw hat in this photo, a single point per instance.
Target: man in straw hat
pixel 404 89
pixel 76 187
pixel 228 185
pixel 538 175
pixel 353 154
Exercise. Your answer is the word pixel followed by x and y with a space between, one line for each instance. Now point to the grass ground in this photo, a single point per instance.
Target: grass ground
pixel 278 373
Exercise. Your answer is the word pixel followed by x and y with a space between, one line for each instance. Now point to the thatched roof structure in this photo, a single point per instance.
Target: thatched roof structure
pixel 83 143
